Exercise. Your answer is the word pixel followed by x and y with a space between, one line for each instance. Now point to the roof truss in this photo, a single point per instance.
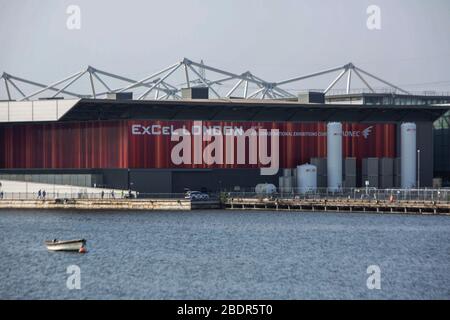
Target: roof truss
pixel 159 85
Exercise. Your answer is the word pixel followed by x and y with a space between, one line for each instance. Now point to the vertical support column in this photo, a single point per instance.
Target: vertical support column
pixel 334 155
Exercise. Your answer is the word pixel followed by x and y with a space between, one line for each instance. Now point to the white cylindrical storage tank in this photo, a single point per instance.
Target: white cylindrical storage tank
pixel 287 172
pixel 306 178
pixel 294 178
pixel 287 184
pixel 281 185
pixel 408 155
pixel 334 155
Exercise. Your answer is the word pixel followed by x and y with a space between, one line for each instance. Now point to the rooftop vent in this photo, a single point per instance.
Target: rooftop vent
pixel 195 93
pixel 311 97
pixel 119 95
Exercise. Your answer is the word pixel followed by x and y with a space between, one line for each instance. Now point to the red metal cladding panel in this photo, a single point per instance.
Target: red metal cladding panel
pixel 148 144
pixel 64 145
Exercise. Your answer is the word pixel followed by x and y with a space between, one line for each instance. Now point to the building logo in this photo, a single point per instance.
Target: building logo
pixel 367 131
pixel 214 130
pixel 357 133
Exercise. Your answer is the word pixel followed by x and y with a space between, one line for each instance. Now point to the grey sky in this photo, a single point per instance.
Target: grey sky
pixel 273 39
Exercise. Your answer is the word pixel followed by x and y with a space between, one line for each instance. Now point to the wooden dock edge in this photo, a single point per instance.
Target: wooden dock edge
pixel 340 205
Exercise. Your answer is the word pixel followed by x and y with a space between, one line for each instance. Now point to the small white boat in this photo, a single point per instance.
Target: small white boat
pixel 65 245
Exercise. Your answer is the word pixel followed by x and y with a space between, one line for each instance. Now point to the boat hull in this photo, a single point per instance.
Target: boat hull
pixel 65 245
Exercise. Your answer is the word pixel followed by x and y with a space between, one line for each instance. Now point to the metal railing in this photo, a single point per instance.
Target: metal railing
pixel 432 93
pixel 368 194
pixel 95 196
pixel 59 195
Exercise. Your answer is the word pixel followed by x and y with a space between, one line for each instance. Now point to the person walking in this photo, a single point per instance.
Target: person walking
pixel 39 194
